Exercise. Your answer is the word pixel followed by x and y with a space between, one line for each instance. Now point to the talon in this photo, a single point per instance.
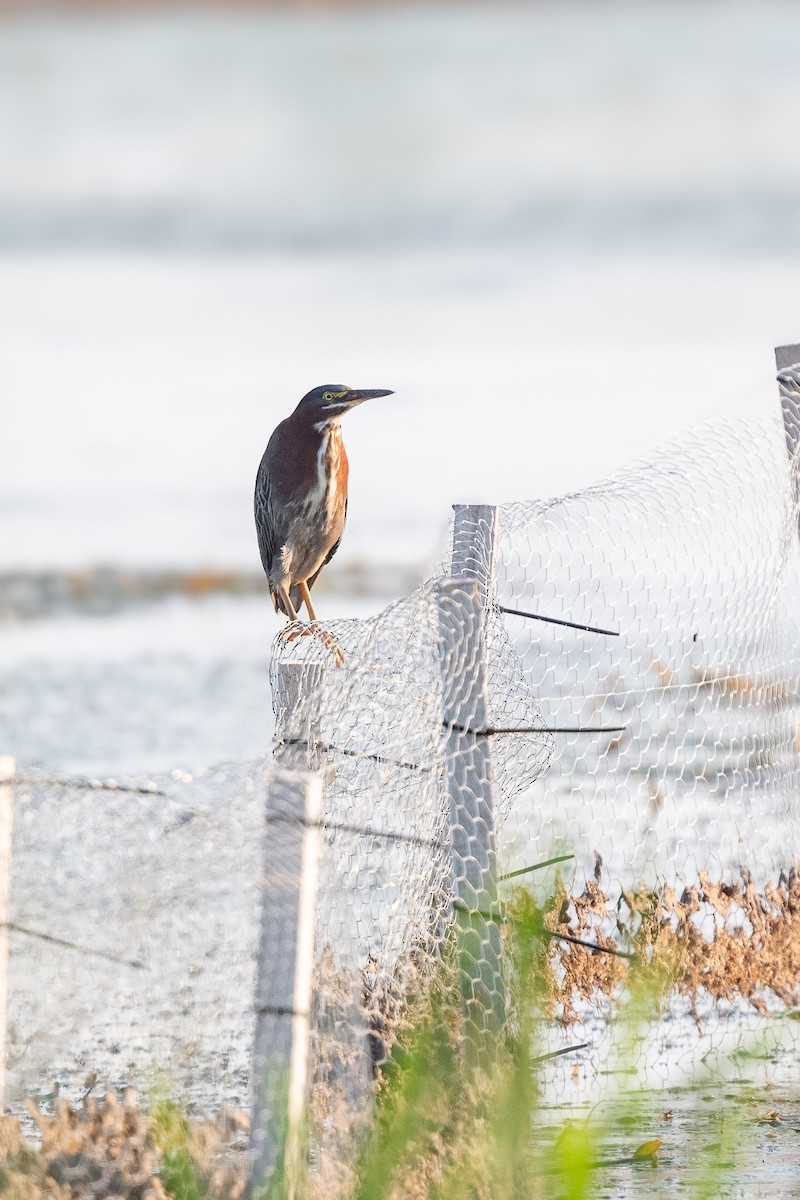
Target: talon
pixel 328 641
pixel 297 629
pixel 294 630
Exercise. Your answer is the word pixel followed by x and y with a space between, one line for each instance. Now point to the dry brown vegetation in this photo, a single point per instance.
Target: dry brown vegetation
pixel 726 940
pixel 110 1149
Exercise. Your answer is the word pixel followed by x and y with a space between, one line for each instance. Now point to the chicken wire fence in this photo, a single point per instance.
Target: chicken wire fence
pixel 690 561
pixel 610 676
pixel 133 930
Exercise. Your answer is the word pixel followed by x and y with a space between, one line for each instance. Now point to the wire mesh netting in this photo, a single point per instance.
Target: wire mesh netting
pixel 639 713
pixel 134 927
pixel 692 559
pixel 686 820
pixel 653 738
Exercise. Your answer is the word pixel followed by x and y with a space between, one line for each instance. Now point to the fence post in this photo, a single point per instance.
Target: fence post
pixel 8 770
pixel 284 983
pixel 475 546
pixel 297 733
pixel 469 788
pixel 471 801
pixel 787 359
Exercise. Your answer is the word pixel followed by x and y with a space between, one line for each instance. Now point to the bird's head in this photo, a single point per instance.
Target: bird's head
pixel 329 402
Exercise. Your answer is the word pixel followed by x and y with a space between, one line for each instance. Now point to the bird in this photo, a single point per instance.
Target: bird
pixel 301 494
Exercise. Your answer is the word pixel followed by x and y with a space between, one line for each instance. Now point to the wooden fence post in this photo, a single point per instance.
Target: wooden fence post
pixel 284 983
pixel 297 733
pixel 475 547
pixel 8 770
pixel 473 560
pixel 469 788
pixel 787 359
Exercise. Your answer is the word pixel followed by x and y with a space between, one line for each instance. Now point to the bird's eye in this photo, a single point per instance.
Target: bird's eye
pixel 328 397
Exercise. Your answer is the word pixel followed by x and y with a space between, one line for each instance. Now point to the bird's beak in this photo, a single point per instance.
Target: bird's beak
pixel 359 396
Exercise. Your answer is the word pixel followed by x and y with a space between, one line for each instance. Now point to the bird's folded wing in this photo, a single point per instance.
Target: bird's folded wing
pixel 265 525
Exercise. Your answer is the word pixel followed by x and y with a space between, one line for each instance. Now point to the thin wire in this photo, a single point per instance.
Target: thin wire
pixel 57 941
pixel 517 612
pixel 360 830
pixel 279 1010
pixel 550 729
pixel 329 748
pixel 567 937
pixel 93 785
pixel 534 729
pixel 507 919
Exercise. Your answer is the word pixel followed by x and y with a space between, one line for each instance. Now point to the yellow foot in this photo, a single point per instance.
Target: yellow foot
pixel 330 643
pixel 294 630
pixel 297 629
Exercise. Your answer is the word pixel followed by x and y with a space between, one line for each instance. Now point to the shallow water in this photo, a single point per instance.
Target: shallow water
pixel 557 126
pixel 740 1136
pixel 554 268
pixel 176 684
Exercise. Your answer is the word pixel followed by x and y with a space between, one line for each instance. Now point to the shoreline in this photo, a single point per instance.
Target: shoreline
pixel 102 590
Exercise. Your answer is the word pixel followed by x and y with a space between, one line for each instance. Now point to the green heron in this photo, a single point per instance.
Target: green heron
pixel 301 495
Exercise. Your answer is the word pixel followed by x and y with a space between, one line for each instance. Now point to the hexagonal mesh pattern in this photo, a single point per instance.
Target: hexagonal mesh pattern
pixel 629 697
pixel 397 729
pixel 692 558
pixel 134 913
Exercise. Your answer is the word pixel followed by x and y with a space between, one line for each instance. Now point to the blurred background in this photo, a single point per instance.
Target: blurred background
pixel 560 231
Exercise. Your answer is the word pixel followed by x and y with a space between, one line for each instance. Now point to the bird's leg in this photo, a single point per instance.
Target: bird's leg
pixel 290 634
pixel 286 601
pixel 325 637
pixel 306 594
